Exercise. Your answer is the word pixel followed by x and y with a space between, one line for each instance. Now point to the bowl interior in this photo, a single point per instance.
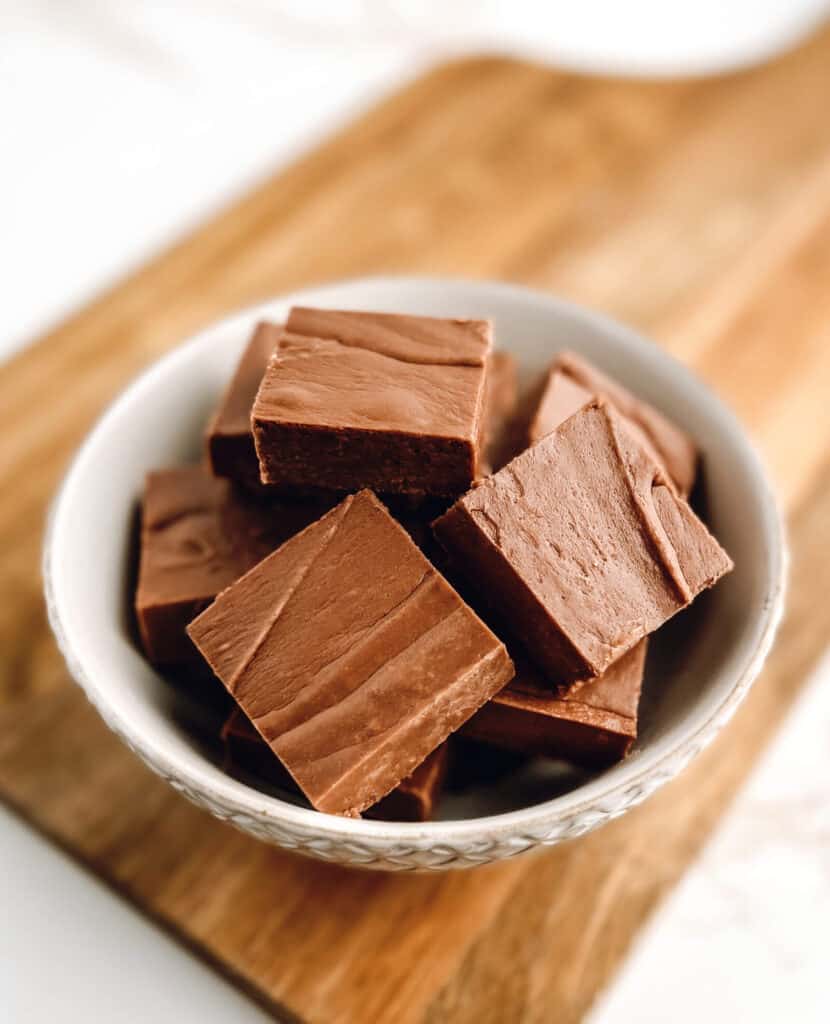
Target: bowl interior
pixel 694 664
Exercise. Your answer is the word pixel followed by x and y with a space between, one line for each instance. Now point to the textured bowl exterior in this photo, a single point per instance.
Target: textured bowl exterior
pixel 436 845
pixel 388 851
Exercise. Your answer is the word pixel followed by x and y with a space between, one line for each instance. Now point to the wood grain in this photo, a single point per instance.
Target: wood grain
pixel 699 211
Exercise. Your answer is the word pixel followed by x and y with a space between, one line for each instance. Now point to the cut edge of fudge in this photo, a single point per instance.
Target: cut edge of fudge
pixel 593 727
pixel 413 799
pixel 384 760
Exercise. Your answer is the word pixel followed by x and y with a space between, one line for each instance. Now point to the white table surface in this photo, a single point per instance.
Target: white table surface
pixel 743 938
pixel 72 951
pixel 124 124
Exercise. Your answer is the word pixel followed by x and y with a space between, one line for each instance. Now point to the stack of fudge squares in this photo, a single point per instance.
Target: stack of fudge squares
pixel 387 558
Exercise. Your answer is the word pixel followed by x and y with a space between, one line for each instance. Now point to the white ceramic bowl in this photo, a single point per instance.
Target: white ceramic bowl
pixel 700 666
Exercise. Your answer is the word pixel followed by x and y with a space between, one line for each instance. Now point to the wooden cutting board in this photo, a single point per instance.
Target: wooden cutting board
pixel 698 211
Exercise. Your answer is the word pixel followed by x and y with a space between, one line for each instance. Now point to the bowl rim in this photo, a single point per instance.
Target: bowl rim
pixel 243 800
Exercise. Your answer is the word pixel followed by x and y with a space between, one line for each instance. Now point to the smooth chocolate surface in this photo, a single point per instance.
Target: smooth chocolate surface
pixel 414 799
pixel 580 546
pixel 572 382
pixel 592 727
pixel 350 653
pixel 198 535
pixel 352 400
pixel 230 439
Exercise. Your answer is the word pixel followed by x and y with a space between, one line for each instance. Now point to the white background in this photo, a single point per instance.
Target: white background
pixel 122 124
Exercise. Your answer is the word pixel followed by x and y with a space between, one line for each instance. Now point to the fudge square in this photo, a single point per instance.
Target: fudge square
pixel 571 382
pixel 198 535
pixel 353 400
pixel 351 654
pixel 580 546
pixel 230 441
pixel 593 727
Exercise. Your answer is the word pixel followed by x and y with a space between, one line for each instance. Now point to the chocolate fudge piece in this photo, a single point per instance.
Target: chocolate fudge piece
pixel 501 391
pixel 580 546
pixel 592 727
pixel 414 799
pixel 230 440
pixel 353 657
pixel 198 535
pixel 572 382
pixel 353 400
